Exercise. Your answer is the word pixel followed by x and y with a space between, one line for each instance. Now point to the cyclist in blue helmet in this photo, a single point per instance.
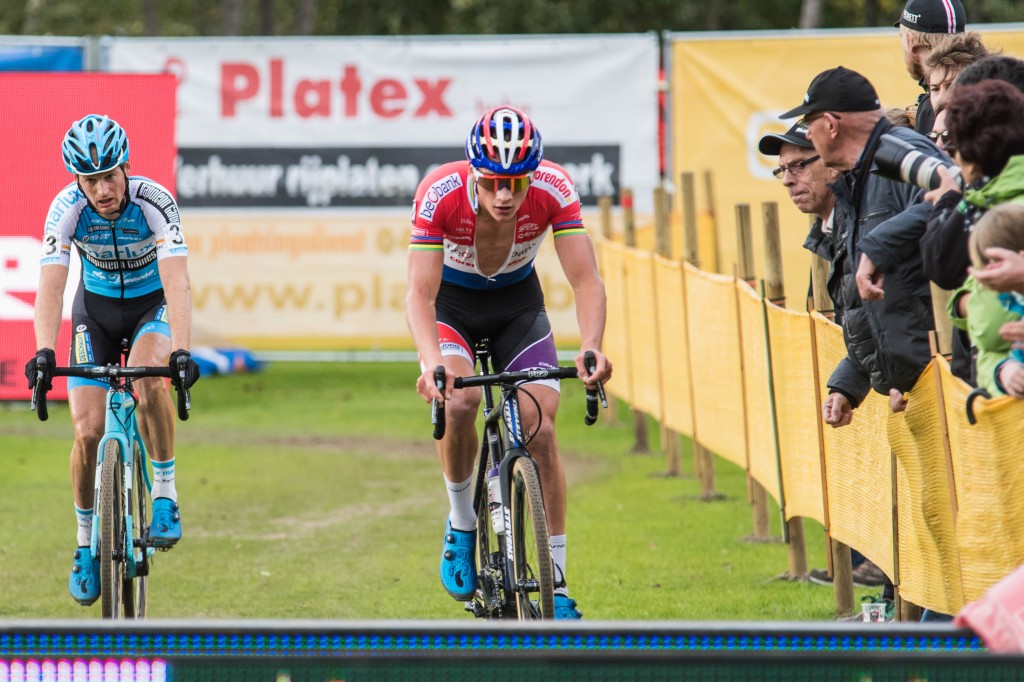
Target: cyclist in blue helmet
pixel 476 230
pixel 134 290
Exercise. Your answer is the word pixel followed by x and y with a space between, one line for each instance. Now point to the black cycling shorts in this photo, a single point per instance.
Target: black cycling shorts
pixel 512 317
pixel 100 323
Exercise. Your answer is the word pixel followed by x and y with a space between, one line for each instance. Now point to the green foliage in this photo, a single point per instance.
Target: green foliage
pixel 313 491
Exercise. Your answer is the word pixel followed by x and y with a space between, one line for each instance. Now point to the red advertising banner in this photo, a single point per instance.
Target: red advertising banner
pixel 38 108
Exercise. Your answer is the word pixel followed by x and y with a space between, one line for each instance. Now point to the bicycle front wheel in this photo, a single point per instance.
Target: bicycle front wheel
pixel 136 590
pixel 532 568
pixel 111 531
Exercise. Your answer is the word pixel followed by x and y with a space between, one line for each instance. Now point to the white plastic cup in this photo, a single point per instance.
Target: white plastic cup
pixel 873 612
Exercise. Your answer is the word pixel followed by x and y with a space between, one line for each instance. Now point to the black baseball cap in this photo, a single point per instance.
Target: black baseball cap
pixel 934 16
pixel 771 144
pixel 838 89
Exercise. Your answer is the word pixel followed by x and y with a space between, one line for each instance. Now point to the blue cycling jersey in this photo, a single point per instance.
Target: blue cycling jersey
pixel 119 257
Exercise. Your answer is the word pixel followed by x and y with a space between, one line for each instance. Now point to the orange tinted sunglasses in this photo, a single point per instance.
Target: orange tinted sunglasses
pixel 516 183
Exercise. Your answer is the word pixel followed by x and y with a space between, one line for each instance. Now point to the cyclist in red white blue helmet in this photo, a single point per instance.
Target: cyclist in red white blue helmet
pixel 134 286
pixel 476 230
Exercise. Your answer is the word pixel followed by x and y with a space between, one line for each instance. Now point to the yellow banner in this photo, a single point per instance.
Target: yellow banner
pixel 727 90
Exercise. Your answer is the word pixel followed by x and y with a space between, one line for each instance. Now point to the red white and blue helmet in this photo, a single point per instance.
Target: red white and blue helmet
pixel 504 142
pixel 94 144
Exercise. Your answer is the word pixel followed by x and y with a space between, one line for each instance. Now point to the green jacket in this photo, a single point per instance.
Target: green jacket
pixel 1007 186
pixel 985 315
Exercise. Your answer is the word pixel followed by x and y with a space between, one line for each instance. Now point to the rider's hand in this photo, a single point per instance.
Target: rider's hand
pixel 44 360
pixel 189 365
pixel 602 373
pixel 428 390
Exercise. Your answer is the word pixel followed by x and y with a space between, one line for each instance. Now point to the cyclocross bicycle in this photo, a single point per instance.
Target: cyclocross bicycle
pixel 515 572
pixel 122 500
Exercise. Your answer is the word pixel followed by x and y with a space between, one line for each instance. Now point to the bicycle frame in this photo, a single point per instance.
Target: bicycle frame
pixel 122 426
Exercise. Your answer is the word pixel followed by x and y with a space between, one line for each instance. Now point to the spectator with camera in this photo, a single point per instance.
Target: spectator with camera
pixel 876 269
pixel 985 127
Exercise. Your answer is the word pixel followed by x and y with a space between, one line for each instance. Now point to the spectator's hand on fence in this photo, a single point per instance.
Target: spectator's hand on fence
pixel 869 279
pixel 837 410
pixel 1011 376
pixel 897 403
pixel 1004 272
pixel 602 372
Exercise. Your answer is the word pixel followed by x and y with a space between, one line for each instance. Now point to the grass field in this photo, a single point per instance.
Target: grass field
pixel 313 491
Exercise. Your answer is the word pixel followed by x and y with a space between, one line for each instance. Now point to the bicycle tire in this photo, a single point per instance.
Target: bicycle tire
pixel 490 560
pixel 136 590
pixel 111 530
pixel 532 572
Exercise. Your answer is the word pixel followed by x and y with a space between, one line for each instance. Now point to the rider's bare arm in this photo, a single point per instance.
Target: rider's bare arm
pixel 178 292
pixel 49 304
pixel 424 273
pixel 576 254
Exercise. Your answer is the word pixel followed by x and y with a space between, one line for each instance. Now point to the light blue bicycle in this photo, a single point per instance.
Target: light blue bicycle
pixel 122 502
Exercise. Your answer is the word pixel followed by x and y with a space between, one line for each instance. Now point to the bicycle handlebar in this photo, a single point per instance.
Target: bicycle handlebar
pixel 111 372
pixel 518 376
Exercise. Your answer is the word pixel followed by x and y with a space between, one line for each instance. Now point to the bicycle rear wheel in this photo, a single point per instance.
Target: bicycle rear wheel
pixel 135 590
pixel 532 569
pixel 111 531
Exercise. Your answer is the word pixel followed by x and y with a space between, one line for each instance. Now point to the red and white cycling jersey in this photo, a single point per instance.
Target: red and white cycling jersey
pixel 444 219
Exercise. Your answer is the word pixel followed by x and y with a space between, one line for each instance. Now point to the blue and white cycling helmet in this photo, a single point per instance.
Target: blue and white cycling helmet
pixel 94 144
pixel 504 142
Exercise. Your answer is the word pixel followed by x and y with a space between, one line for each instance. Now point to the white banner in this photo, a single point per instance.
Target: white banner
pixel 355 122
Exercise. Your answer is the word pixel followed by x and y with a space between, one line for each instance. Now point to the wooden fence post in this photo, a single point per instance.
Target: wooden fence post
pixel 776 292
pixel 663 245
pixel 640 439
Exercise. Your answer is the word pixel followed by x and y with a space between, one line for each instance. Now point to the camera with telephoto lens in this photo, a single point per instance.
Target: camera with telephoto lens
pixel 901 161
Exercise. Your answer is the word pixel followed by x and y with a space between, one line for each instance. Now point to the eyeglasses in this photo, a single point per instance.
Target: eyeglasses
pixel 935 136
pixel 807 120
pixel 794 169
pixel 516 183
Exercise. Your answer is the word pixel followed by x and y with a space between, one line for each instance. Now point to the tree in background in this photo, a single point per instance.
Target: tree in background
pixel 439 17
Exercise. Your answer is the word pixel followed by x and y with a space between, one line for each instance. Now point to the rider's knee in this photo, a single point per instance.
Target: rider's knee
pixel 150 388
pixel 463 406
pixel 87 435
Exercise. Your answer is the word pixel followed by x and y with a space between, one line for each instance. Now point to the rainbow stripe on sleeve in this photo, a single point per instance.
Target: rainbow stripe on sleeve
pixel 568 228
pixel 425 243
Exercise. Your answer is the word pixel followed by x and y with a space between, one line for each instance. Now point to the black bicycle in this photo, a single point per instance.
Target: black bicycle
pixel 515 574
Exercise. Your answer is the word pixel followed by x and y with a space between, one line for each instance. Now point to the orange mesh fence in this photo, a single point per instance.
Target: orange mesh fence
pixel 760 434
pixel 797 412
pixel 677 405
pixel 616 336
pixel 987 466
pixel 715 363
pixel 642 320
pixel 929 568
pixel 858 463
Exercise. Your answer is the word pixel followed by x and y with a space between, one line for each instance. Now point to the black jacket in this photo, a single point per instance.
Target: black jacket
pixel 886 340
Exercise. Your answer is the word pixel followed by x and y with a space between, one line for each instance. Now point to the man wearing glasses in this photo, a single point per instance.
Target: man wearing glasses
pixel 877 272
pixel 476 228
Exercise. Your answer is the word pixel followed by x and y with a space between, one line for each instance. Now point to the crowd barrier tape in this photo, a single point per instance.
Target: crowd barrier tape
pixel 933 501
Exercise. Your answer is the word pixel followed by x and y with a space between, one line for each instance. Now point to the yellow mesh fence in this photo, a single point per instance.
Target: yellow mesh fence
pixel 677 405
pixel 616 336
pixel 760 435
pixel 715 363
pixel 797 412
pixel 988 466
pixel 858 463
pixel 929 568
pixel 642 324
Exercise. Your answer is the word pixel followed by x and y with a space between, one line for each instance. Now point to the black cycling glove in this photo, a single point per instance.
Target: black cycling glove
pixel 187 364
pixel 44 360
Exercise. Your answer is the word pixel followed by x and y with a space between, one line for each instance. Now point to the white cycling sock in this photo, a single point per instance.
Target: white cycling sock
pixel 84 517
pixel 163 480
pixel 460 495
pixel 557 544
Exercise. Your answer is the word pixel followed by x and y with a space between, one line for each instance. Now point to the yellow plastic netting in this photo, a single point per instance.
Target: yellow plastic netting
pixel 677 405
pixel 929 567
pixel 642 332
pixel 715 363
pixel 988 466
pixel 858 463
pixel 797 412
pixel 760 435
pixel 616 342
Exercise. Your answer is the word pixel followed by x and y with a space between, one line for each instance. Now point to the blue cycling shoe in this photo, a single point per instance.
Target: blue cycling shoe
pixel 458 563
pixel 565 608
pixel 165 530
pixel 84 582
